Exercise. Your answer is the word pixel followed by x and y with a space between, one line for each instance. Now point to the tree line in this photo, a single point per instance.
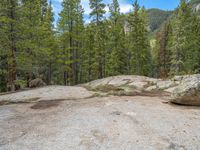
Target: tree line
pixel 178 43
pixel 75 52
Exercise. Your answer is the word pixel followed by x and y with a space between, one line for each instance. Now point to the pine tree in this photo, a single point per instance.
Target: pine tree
pixel 97 16
pixel 193 51
pixel 139 44
pixel 70 25
pixel 197 31
pixel 181 32
pixel 117 63
pixel 98 11
pixel 47 53
pixel 30 43
pixel 8 41
pixel 79 32
pixel 88 61
pixel 44 8
pixel 164 53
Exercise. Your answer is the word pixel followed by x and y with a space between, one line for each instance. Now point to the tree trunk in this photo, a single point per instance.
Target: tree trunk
pixel 13 65
pixel 49 74
pixel 65 78
pixel 71 80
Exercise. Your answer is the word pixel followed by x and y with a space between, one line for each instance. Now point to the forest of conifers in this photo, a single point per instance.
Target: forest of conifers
pixel 73 52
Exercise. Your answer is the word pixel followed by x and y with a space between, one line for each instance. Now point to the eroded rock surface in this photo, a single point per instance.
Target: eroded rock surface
pixel 140 83
pixel 137 82
pixel 74 118
pixel 183 89
pixel 100 123
pixel 188 91
pixel 47 93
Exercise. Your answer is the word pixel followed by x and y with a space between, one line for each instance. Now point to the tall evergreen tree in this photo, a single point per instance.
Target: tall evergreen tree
pixel 192 62
pixel 30 43
pixel 139 44
pixel 88 61
pixel 8 41
pixel 47 53
pixel 98 11
pixel 181 30
pixel 70 25
pixel 196 30
pixel 117 63
pixel 97 16
pixel 164 53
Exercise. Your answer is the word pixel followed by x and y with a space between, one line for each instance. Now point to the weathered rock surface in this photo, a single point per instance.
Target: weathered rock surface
pixel 188 91
pixel 118 84
pixel 73 118
pixel 183 89
pixel 130 85
pixel 99 123
pixel 47 93
pixel 36 83
pixel 139 82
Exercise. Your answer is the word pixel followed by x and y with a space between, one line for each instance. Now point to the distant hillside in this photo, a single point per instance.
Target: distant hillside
pixel 157 17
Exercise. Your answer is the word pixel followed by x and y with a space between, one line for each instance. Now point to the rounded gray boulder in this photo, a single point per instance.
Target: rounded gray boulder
pixel 37 83
pixel 188 91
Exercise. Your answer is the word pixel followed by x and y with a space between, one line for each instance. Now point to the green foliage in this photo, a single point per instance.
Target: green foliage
pixel 139 44
pixel 180 39
pixel 164 53
pixel 27 40
pixel 97 16
pixel 98 11
pixel 8 40
pixel 193 53
pixel 88 61
pixel 178 42
pixel 71 29
pixel 117 58
pixel 20 83
pixel 31 47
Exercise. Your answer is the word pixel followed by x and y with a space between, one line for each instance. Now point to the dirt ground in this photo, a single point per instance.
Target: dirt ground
pixel 99 123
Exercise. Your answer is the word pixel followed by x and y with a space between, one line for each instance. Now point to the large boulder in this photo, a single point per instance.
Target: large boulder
pixel 188 91
pixel 36 83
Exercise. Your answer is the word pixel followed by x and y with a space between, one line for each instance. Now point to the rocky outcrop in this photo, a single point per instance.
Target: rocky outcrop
pixel 128 85
pixel 46 93
pixel 184 90
pixel 188 91
pixel 36 83
pixel 137 82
